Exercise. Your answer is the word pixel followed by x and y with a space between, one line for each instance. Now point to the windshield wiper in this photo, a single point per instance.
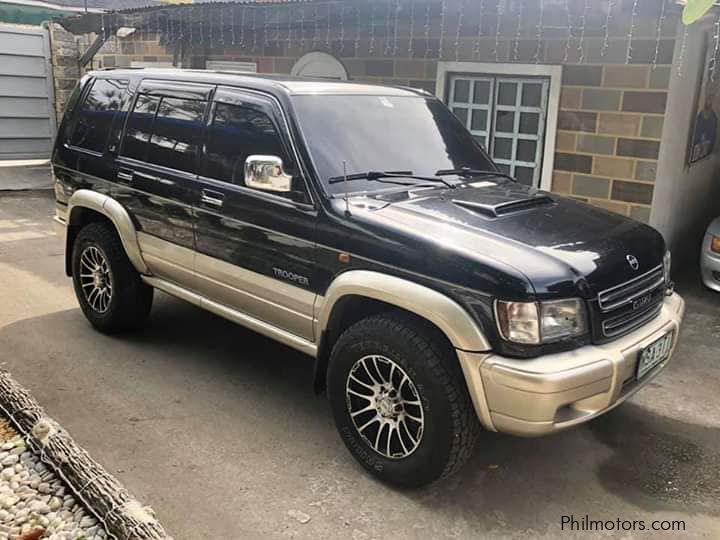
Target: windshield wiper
pixel 467 172
pixel 387 178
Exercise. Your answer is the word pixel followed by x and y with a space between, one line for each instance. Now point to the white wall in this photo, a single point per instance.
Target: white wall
pixel 685 198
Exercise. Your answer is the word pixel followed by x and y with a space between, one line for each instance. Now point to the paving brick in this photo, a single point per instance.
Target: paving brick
pixel 582 75
pixel 641 213
pixel 596 144
pixel 646 170
pixel 577 121
pixel 619 124
pixel 616 207
pixel 566 141
pixel 632 192
pixel 645 102
pixel 573 162
pixel 613 167
pixel 652 127
pixel 570 97
pixel 562 182
pixel 626 76
pixel 660 77
pixel 591 186
pixel 601 99
pixel 638 148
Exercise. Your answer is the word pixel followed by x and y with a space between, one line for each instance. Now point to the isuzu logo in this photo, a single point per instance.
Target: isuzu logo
pixel 641 302
pixel 633 262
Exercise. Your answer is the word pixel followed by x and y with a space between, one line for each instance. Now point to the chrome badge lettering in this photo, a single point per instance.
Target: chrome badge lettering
pixel 641 302
pixel 291 276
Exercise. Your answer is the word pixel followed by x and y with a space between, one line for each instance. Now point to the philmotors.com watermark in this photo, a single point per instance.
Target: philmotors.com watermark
pixel 586 523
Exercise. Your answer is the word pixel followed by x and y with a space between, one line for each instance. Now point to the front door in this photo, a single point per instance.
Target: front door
pixel 157 171
pixel 255 249
pixel 507 116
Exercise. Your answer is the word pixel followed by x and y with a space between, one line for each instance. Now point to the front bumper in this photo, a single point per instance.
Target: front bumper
pixel 555 392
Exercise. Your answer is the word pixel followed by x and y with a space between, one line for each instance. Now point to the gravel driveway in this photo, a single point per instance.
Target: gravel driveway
pixel 219 431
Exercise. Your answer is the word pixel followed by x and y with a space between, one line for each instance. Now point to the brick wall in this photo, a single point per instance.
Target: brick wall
pixel 611 114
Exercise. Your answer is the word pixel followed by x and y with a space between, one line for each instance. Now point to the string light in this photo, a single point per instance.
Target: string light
pixel 388 44
pixel 568 42
pixel 254 29
pixel 658 37
pixel 342 28
pixel 443 15
pixel 498 23
pixel 461 16
pixel 316 27
pixel 357 29
pixel 200 28
pixel 683 49
pixel 398 9
pixel 232 26
pixel 210 26
pixel 516 45
pixel 539 30
pixel 371 46
pixel 633 16
pixel 716 50
pixel 278 17
pixel 302 27
pixel 190 25
pixel 428 10
pixel 266 28
pixel 412 29
pixel 243 15
pixel 583 27
pixel 288 38
pixel 327 32
pixel 478 44
pixel 102 26
pixel 608 19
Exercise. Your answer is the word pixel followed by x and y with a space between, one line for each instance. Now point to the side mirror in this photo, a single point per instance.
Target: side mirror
pixel 266 173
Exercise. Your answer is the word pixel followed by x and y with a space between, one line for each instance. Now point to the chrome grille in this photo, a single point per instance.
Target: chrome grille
pixel 626 293
pixel 628 306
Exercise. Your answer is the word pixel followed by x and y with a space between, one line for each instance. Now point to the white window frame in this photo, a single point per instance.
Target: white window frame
pixel 553 73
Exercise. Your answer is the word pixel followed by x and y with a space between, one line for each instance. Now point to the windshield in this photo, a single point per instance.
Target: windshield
pixel 379 133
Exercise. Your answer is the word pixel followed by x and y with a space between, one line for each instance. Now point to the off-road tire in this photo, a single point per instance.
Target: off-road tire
pixel 131 300
pixel 450 427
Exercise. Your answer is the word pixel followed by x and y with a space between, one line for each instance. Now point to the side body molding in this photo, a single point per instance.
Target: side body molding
pixel 459 327
pixel 114 211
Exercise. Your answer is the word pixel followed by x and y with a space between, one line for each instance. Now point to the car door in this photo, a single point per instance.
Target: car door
pixel 255 249
pixel 157 171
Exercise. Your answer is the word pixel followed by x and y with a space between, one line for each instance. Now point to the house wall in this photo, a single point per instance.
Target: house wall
pixel 611 114
pixel 686 197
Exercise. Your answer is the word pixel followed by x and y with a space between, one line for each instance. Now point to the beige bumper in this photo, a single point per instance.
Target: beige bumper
pixel 558 391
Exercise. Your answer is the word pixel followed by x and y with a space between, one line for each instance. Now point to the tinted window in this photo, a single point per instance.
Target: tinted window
pixel 97 113
pixel 379 133
pixel 236 133
pixel 139 126
pixel 165 131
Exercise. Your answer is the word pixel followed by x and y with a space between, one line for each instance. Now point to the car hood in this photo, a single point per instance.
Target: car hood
pixel 550 239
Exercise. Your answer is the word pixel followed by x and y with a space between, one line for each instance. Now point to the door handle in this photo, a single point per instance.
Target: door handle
pixel 212 198
pixel 125 176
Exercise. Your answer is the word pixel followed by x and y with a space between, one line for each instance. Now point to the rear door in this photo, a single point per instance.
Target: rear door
pixel 157 170
pixel 255 249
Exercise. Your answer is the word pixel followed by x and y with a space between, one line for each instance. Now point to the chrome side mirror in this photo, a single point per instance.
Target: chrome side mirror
pixel 266 173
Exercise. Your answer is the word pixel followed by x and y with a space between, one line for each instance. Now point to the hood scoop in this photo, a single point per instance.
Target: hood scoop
pixel 505 208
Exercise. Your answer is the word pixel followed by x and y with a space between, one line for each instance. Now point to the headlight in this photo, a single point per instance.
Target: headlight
pixel 540 322
pixel 667 266
pixel 715 244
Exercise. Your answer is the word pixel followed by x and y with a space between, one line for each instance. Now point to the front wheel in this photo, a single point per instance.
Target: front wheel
pixel 399 400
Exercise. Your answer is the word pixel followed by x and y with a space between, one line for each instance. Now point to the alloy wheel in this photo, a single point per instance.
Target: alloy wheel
pixel 96 279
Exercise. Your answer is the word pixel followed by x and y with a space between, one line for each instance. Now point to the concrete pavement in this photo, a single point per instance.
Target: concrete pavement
pixel 219 431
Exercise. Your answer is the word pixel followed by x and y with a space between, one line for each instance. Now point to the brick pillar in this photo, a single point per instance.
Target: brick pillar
pixel 66 69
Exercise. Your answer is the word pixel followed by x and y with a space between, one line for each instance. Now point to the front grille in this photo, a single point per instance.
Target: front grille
pixel 628 306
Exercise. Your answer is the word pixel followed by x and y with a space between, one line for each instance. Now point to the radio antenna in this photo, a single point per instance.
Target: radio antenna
pixel 347 201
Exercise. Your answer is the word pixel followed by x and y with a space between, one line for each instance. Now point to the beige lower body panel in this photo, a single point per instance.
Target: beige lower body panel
pixel 274 303
pixel 558 391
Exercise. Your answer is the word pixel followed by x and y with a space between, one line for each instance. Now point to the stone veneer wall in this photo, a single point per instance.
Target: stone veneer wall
pixel 611 114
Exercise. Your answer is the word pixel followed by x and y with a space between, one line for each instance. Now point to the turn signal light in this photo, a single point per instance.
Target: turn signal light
pixel 715 244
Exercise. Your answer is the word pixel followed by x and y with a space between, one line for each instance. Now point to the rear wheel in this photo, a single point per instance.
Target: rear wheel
pixel 399 400
pixel 109 289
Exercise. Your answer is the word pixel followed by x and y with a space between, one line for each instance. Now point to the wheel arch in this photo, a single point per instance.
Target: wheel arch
pixel 86 206
pixel 360 293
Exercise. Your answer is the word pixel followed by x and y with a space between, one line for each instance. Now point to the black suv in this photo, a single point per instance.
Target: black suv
pixel 364 226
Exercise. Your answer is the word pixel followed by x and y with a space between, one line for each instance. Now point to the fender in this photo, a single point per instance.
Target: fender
pixel 115 212
pixel 454 321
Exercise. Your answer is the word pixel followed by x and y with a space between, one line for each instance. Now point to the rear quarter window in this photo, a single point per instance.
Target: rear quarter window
pixel 97 113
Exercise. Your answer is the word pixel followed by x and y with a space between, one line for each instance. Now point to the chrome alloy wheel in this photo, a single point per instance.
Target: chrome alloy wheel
pixel 96 279
pixel 385 406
